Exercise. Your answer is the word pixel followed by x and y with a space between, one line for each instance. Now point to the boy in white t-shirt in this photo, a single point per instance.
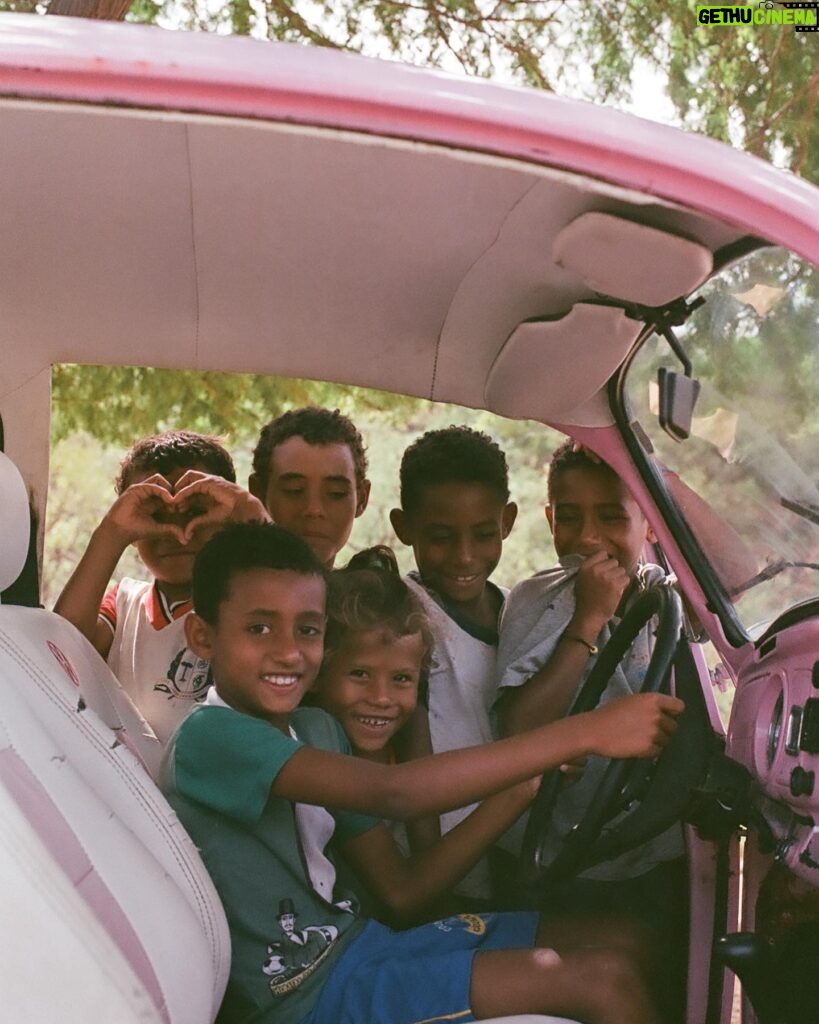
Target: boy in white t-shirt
pixel 552 628
pixel 174 490
pixel 455 514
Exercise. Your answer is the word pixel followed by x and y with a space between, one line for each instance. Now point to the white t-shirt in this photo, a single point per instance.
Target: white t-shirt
pixel 462 687
pixel 149 655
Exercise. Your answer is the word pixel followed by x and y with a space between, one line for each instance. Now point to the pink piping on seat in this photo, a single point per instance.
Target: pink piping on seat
pixel 59 838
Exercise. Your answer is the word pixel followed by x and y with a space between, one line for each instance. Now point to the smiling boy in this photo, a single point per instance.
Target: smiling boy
pixel 310 472
pixel 552 628
pixel 455 515
pixel 555 622
pixel 174 489
pixel 260 785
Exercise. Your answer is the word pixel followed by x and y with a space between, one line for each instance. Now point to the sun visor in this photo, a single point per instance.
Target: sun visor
pixel 538 375
pixel 629 261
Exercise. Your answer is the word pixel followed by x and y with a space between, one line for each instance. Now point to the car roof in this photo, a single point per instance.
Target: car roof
pixel 188 201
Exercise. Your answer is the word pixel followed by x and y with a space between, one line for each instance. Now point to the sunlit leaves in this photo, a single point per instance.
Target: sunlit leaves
pixel 118 404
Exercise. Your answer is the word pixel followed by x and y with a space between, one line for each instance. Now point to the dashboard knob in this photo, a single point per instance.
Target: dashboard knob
pixel 802 782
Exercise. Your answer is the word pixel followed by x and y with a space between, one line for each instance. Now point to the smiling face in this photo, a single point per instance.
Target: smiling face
pixel 169 561
pixel 311 490
pixel 456 531
pixel 370 684
pixel 266 645
pixel 593 510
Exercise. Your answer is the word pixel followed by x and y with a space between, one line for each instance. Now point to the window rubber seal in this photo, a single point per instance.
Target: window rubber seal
pixel 716 598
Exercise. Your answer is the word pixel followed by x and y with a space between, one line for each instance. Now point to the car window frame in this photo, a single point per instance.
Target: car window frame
pixel 716 596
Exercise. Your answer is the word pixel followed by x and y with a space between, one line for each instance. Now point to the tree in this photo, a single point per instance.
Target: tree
pixel 83 470
pixel 141 400
pixel 755 86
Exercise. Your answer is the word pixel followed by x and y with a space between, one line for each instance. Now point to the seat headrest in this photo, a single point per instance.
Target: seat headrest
pixel 15 522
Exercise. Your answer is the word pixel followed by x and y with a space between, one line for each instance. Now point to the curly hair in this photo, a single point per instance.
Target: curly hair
pixel 175 449
pixel 316 426
pixel 454 453
pixel 568 456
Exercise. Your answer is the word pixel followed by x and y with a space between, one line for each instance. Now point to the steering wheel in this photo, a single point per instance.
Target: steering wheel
pixel 625 783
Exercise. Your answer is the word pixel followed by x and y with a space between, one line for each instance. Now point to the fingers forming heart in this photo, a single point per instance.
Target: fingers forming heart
pixel 198 504
pixel 162 509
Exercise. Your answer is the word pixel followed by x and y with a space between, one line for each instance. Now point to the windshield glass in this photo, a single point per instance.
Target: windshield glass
pixel 753 453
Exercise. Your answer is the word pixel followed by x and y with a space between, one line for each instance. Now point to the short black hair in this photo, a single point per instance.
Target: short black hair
pixel 241 547
pixel 569 455
pixel 175 449
pixel 316 426
pixel 454 453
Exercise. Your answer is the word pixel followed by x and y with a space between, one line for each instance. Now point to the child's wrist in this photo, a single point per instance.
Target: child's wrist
pixel 586 628
pixel 585 725
pixel 112 535
pixel 575 638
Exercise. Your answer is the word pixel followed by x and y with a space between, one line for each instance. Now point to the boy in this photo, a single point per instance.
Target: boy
pixel 552 627
pixel 310 472
pixel 455 514
pixel 173 490
pixel 557 620
pixel 250 777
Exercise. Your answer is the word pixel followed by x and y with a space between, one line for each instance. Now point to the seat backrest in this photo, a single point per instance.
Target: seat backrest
pixel 112 914
pixel 15 527
pixel 103 833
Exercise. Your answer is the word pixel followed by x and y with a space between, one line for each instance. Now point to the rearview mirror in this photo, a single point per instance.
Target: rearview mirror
pixel 678 396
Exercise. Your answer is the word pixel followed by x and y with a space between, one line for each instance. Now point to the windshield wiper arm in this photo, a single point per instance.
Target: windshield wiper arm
pixel 801 508
pixel 768 573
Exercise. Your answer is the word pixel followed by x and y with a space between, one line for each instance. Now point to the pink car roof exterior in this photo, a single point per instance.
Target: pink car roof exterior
pixel 101 63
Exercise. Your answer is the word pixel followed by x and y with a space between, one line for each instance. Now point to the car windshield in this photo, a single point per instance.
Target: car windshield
pixel 753 453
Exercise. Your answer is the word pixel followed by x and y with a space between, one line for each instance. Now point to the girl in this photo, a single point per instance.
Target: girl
pixel 373 679
pixel 377 652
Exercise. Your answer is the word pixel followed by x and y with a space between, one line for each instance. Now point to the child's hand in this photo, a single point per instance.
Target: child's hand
pixel 636 726
pixel 599 587
pixel 205 500
pixel 144 510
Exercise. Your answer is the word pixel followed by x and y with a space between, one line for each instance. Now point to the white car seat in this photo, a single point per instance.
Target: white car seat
pixel 108 913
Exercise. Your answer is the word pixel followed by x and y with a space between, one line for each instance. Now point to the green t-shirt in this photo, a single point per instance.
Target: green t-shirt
pixel 285 937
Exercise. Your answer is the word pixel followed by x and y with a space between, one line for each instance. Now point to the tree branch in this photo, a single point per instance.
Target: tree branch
pixel 295 21
pixel 105 10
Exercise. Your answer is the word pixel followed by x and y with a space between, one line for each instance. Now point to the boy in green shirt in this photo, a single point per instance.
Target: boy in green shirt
pixel 263 786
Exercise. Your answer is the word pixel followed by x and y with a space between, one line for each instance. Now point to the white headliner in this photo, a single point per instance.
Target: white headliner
pixel 200 242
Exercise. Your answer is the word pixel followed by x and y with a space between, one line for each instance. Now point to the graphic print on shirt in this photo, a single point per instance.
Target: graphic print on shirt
pixel 188 677
pixel 474 924
pixel 293 957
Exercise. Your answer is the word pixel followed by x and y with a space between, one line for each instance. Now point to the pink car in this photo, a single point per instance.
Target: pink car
pixel 188 201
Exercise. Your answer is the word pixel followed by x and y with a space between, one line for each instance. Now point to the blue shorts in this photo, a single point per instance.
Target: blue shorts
pixel 420 975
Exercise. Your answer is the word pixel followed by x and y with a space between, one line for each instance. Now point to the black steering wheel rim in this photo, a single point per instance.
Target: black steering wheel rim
pixel 623 781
